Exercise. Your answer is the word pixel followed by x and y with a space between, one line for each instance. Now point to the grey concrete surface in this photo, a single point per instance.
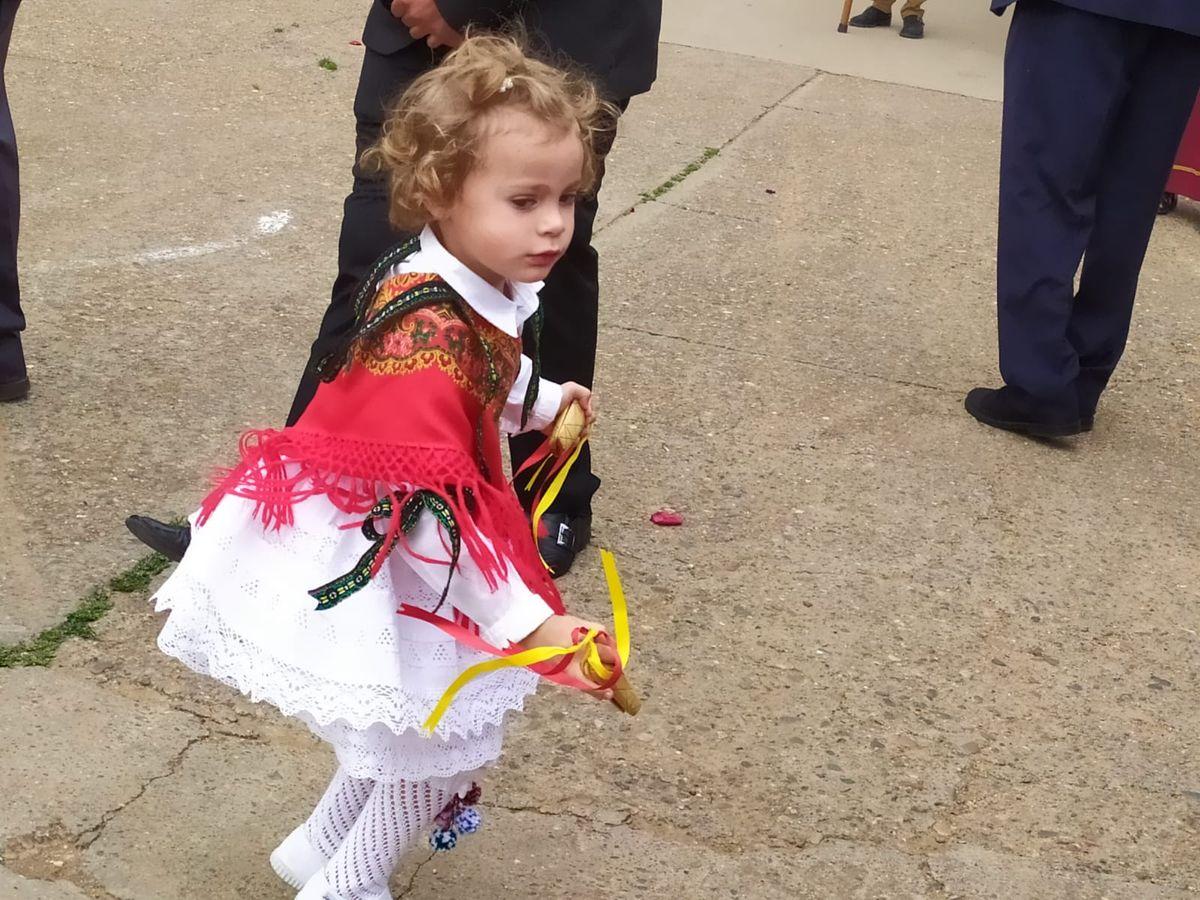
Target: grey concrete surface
pixel 257 786
pixel 969 871
pixel 962 52
pixel 890 654
pixel 75 752
pixel 14 887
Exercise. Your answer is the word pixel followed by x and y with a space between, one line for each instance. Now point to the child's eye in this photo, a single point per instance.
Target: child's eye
pixel 524 203
pixel 568 199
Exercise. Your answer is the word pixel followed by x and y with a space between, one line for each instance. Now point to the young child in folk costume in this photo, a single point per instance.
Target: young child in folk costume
pixel 390 489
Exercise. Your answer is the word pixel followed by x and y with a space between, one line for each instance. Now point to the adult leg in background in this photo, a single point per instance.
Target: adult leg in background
pixel 1136 164
pixel 1066 76
pixel 366 232
pixel 14 383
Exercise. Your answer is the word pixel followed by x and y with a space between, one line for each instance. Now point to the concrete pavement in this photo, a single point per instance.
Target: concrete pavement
pixel 890 654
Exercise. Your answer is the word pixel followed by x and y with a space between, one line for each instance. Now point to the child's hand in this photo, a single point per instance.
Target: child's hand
pixel 559 631
pixel 572 392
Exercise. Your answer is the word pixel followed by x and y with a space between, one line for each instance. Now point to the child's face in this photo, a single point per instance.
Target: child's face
pixel 515 214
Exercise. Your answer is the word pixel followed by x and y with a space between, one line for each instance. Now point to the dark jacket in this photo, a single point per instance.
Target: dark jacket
pixel 1178 15
pixel 615 41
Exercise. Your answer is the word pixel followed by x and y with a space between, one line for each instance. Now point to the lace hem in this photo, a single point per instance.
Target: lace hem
pixel 198 638
pixel 379 755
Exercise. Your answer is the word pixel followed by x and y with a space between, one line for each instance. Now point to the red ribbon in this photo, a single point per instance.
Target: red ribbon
pixel 554 672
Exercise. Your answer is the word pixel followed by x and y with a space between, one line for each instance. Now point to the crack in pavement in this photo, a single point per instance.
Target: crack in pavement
pixel 218 725
pixel 583 817
pixel 829 367
pixel 215 725
pixel 89 836
pixel 791 91
pixel 923 858
pixel 709 212
pixel 54 854
pixel 926 870
pixel 412 880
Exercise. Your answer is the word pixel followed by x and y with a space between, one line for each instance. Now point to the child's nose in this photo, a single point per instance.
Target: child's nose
pixel 553 222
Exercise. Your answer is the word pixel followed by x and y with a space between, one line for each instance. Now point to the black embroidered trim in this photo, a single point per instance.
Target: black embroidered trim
pixel 328 366
pixel 331 594
pixel 368 286
pixel 535 376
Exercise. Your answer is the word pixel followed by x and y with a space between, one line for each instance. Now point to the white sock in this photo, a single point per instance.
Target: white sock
pixel 395 815
pixel 336 811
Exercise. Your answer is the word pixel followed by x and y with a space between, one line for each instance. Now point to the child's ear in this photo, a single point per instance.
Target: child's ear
pixel 438 202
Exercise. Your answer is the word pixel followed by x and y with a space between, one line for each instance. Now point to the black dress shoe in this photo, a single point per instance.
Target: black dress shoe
pixel 871 17
pixel 14 380
pixel 1089 386
pixel 914 27
pixel 1014 410
pixel 17 389
pixel 561 540
pixel 170 540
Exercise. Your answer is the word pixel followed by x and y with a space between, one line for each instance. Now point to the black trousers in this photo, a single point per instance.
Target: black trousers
pixel 570 299
pixel 1094 109
pixel 12 320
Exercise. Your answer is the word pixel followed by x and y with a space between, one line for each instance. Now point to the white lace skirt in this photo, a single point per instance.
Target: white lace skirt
pixel 359 675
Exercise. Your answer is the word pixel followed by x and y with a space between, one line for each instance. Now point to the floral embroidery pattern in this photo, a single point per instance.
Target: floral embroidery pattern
pixel 438 336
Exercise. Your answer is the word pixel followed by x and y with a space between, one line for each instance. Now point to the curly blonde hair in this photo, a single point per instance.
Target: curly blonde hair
pixel 433 137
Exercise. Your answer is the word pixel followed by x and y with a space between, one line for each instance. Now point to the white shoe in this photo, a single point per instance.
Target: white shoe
pixel 317 888
pixel 296 860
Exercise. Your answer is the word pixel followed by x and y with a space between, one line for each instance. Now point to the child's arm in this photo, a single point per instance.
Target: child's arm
pixel 503 617
pixel 559 631
pixel 511 615
pixel 545 410
pixel 552 399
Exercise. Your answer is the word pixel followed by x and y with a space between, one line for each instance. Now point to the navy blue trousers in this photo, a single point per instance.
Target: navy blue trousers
pixel 11 319
pixel 1094 109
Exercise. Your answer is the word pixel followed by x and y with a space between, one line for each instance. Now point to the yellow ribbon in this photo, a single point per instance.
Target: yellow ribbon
pixel 552 490
pixel 544 654
pixel 620 619
pixel 536 472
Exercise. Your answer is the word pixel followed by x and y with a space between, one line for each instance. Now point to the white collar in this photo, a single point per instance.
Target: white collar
pixel 506 314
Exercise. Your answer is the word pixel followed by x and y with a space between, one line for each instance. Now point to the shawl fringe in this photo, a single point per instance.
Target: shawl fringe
pixel 280 468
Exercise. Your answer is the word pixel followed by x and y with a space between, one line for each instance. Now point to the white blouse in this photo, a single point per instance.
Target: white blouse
pixel 508 310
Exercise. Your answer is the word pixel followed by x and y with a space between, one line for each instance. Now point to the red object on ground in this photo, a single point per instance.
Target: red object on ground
pixel 1185 176
pixel 667 518
pixel 356 43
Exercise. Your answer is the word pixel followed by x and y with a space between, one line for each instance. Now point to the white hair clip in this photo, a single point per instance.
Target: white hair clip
pixel 506 85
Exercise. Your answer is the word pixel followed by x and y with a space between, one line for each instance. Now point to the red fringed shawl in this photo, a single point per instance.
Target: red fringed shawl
pixel 411 408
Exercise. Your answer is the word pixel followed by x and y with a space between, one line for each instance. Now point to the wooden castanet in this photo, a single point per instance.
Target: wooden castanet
pixel 624 697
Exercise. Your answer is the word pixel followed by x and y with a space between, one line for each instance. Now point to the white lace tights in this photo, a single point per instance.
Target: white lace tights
pixel 365 826
pixel 394 816
pixel 337 811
